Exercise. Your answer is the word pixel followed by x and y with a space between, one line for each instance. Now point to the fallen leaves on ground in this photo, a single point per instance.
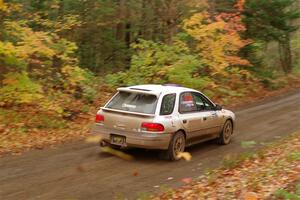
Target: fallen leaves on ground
pixel 93 139
pixel 187 180
pixel 257 177
pixel 135 173
pixel 184 155
pixel 16 143
pixel 117 153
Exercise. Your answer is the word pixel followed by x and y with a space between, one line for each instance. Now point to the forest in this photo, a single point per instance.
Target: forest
pixel 59 59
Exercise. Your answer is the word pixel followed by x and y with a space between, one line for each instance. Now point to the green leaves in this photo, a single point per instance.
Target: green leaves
pixel 160 63
pixel 19 89
pixel 295 156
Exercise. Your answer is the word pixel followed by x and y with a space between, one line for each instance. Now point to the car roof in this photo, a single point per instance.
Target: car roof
pixel 155 88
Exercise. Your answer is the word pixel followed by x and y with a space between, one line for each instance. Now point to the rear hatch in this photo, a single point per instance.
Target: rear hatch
pixel 128 110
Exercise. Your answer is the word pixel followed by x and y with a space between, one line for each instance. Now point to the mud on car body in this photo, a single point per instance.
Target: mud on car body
pixel 164 117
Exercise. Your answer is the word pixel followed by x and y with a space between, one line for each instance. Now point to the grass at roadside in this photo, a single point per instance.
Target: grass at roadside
pixel 271 173
pixel 292 191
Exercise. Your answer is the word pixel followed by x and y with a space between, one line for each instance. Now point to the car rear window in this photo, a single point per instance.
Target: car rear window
pixel 134 102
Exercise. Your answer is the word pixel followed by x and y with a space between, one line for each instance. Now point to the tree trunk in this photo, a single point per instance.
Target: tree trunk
pixel 285 54
pixel 128 35
pixel 61 9
pixel 120 27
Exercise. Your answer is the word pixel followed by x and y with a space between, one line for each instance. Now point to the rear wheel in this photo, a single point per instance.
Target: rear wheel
pixel 177 145
pixel 225 136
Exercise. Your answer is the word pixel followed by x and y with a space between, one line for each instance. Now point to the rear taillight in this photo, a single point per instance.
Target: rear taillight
pixel 154 127
pixel 99 118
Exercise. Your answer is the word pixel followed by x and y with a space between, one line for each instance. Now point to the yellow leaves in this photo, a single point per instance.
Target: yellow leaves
pixel 200 27
pixel 19 88
pixel 184 155
pixel 74 75
pixel 7 49
pixel 211 40
pixel 117 153
pixel 38 43
pixel 195 20
pixel 35 43
pixel 93 139
pixel 29 42
pixel 68 23
pixel 217 43
pixel 3 6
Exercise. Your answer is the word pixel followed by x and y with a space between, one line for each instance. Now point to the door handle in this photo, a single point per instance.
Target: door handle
pixel 214 114
pixel 204 118
pixel 184 121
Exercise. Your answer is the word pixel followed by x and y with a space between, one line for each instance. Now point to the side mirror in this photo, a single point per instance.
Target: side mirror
pixel 218 107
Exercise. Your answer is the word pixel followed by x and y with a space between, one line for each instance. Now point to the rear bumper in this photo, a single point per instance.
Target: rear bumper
pixel 136 139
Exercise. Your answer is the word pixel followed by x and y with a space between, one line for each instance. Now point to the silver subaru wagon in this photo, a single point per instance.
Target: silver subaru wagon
pixel 164 117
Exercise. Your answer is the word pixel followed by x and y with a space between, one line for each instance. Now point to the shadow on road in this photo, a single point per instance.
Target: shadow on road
pixel 144 155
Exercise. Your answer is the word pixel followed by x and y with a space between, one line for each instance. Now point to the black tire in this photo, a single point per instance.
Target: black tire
pixel 177 144
pixel 225 135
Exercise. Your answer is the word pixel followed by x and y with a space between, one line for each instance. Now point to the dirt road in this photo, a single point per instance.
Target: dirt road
pixel 81 171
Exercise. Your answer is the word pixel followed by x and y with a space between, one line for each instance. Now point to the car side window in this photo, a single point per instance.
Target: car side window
pixel 202 103
pixel 206 104
pixel 167 104
pixel 187 103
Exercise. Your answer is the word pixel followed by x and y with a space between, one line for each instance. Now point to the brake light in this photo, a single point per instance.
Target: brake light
pixel 99 118
pixel 155 127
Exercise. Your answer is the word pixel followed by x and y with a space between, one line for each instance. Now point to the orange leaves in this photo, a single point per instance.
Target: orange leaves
pixel 187 180
pixel 218 39
pixel 240 5
pixel 250 196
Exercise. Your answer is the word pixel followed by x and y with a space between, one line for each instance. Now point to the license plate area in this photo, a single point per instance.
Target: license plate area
pixel 118 139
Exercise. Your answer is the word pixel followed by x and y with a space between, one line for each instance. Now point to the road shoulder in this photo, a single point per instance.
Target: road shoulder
pixel 257 175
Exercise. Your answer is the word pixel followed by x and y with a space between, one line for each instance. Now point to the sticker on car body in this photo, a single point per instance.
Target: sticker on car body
pixel 124 105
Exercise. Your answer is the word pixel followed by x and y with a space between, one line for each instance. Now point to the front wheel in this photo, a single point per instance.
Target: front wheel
pixel 225 136
pixel 177 145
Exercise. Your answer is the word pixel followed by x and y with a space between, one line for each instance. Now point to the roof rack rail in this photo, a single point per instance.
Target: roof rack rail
pixel 141 89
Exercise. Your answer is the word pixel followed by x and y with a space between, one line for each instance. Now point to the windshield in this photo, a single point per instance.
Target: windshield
pixel 134 102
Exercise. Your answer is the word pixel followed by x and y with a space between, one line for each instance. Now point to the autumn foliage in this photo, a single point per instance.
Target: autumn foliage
pixel 205 55
pixel 60 59
pixel 218 38
pixel 39 68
